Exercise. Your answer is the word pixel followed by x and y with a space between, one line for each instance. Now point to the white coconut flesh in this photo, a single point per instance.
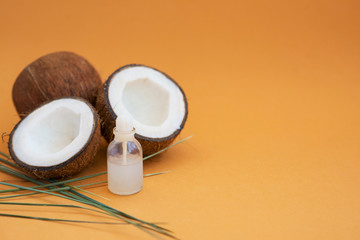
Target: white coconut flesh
pixel 155 103
pixel 53 133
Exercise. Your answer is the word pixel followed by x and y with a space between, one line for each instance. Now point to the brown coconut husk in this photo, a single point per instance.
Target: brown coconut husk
pixel 53 76
pixel 71 166
pixel 108 118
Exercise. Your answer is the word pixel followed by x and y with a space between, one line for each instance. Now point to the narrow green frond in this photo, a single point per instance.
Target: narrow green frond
pixel 170 146
pixel 8 162
pixel 82 190
pixel 54 205
pixel 56 219
pixel 90 184
pixel 17 174
pixel 5 155
pixel 154 174
pixel 49 184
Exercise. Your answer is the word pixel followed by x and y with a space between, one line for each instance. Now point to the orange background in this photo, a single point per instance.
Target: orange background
pixel 273 90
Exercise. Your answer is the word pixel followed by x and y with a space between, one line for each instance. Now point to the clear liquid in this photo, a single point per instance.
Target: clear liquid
pixel 125 179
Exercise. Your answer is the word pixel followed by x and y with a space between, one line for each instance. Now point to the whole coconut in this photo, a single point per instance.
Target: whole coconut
pixel 55 75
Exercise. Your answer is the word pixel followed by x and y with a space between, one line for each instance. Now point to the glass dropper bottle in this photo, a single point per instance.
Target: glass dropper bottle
pixel 124 158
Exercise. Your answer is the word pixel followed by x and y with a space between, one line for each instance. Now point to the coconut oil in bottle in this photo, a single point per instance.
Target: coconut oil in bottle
pixel 124 159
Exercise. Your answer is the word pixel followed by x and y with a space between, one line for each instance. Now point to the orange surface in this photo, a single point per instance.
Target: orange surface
pixel 273 89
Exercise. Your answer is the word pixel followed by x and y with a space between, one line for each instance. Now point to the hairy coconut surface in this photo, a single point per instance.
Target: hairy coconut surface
pixel 155 101
pixel 53 76
pixel 56 140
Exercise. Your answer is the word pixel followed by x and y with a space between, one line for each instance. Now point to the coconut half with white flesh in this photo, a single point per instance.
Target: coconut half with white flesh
pixel 156 103
pixel 56 140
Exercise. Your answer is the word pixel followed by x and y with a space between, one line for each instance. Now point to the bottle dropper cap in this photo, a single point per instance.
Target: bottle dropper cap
pixel 124 122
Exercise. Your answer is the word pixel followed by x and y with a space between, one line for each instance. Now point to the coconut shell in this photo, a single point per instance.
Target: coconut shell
pixel 53 76
pixel 108 118
pixel 69 167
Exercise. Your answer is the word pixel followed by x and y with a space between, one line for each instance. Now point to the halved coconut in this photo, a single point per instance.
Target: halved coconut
pixel 56 140
pixel 155 101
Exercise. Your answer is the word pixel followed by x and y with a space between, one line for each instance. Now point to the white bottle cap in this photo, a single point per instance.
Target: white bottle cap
pixel 124 122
